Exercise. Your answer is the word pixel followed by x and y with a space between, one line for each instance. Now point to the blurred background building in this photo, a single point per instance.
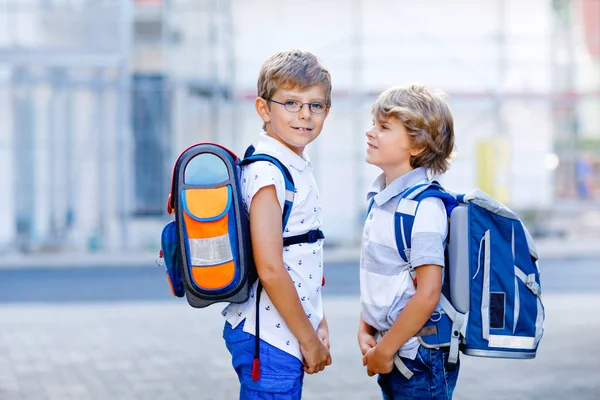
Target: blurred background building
pixel 97 99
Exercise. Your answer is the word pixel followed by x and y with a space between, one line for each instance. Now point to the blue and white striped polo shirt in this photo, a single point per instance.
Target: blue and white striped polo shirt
pixel 385 282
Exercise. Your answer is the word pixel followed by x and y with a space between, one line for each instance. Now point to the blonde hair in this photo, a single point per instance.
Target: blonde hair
pixel 293 69
pixel 428 121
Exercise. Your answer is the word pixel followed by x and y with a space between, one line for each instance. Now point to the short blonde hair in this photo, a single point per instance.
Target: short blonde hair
pixel 293 69
pixel 428 121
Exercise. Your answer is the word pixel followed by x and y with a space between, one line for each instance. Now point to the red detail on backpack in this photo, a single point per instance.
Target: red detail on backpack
pixel 256 369
pixel 160 254
pixel 169 205
pixel 323 281
pixel 415 282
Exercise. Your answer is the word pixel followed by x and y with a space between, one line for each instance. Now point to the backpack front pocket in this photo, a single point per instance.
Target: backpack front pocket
pixel 207 220
pixel 506 312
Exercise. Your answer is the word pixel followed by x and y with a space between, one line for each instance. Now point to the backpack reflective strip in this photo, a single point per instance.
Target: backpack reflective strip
pixel 512 342
pixel 211 251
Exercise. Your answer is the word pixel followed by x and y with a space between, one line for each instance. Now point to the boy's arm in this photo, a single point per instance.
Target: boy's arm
pixel 267 247
pixel 366 336
pixel 410 320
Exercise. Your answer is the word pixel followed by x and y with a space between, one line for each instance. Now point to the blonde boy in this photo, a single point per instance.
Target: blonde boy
pixel 294 96
pixel 412 134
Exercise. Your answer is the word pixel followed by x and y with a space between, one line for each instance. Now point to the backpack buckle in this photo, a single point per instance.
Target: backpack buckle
pixel 314 235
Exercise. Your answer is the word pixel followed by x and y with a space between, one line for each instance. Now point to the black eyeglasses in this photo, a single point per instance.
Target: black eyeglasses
pixel 317 107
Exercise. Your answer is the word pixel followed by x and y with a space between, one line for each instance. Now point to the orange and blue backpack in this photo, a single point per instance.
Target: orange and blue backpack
pixel 207 250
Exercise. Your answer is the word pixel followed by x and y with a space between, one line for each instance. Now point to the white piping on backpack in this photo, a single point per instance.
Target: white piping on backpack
pixel 485 295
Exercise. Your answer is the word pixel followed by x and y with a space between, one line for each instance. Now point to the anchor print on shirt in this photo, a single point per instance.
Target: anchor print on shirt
pixel 268 308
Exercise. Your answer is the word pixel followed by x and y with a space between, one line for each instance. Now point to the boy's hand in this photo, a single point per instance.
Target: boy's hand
pixel 378 361
pixel 323 334
pixel 366 342
pixel 316 355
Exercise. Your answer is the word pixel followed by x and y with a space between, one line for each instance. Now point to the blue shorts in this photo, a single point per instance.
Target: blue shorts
pixel 431 379
pixel 281 374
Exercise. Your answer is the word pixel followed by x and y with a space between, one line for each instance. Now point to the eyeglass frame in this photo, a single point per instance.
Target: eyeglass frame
pixel 302 105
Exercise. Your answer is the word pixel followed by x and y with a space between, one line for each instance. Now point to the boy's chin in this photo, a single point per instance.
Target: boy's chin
pixel 369 160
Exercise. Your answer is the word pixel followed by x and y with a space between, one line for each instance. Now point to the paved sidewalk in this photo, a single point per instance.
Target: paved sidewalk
pixel 167 350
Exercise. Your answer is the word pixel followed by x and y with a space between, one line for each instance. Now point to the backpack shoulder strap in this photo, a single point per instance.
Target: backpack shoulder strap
pixel 290 189
pixel 404 217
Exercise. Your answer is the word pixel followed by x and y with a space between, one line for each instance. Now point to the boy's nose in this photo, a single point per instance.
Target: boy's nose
pixel 304 112
pixel 369 133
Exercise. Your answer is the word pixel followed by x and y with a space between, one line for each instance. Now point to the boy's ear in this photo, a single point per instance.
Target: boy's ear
pixel 415 151
pixel 262 109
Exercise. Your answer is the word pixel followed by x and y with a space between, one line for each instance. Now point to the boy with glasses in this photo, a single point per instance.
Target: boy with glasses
pixel 294 94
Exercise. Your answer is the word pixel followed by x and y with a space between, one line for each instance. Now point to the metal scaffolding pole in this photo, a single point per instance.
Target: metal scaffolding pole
pixel 124 145
pixel 357 92
pixel 25 161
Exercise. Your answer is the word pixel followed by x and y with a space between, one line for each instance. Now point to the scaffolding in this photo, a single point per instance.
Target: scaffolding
pixel 89 85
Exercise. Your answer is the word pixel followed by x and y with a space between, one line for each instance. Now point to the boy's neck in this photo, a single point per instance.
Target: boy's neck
pixel 391 174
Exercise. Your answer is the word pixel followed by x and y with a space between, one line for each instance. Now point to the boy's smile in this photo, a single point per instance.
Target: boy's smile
pixel 295 130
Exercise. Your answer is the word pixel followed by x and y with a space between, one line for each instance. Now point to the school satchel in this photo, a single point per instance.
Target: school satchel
pixel 206 250
pixel 492 297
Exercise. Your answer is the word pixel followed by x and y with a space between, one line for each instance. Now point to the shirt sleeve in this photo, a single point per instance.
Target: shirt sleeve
pixel 429 233
pixel 258 175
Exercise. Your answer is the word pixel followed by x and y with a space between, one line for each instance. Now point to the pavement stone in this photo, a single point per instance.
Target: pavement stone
pixel 167 350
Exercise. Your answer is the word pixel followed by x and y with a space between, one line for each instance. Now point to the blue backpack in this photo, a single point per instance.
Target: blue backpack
pixel 207 249
pixel 491 299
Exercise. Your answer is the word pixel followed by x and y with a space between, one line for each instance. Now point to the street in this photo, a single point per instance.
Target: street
pixel 148 282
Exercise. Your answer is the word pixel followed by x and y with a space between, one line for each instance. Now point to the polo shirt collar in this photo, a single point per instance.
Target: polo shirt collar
pixel 382 194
